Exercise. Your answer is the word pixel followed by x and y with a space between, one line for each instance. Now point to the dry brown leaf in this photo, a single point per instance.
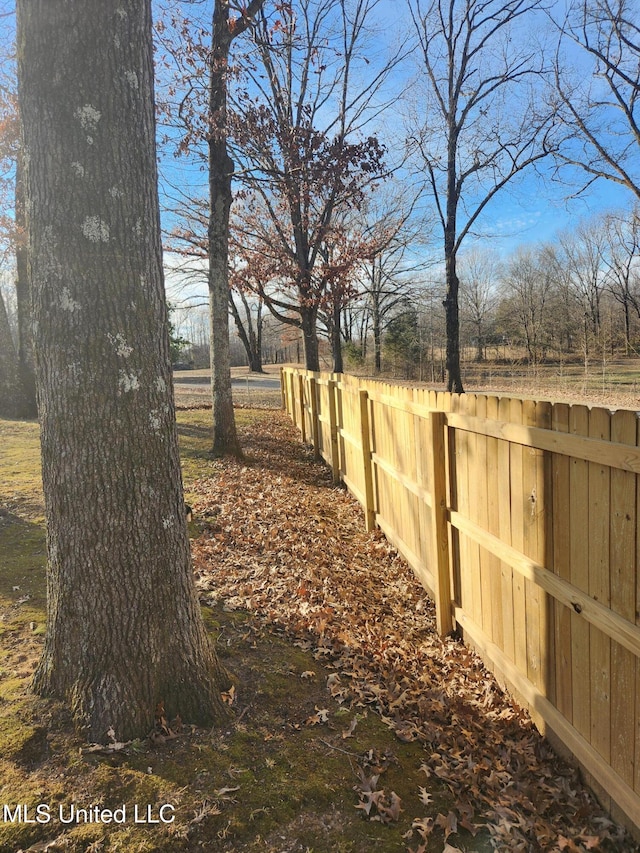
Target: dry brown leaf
pixel 352 727
pixel 424 826
pixel 321 716
pixel 229 696
pixel 448 824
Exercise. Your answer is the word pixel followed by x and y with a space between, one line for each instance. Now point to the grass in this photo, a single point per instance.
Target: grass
pixel 272 781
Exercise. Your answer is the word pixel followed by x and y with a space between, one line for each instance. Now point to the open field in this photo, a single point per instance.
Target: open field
pixel 354 728
pixel 615 383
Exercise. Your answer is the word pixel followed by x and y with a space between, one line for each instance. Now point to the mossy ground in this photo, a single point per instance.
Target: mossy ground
pixel 274 779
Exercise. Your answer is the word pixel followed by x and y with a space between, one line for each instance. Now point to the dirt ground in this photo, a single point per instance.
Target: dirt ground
pixel 352 726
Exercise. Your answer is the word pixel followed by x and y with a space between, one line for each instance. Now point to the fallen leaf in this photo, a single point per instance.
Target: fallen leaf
pixel 424 826
pixel 352 727
pixel 321 716
pixel 425 796
pixel 448 824
pixel 229 696
pixel 222 793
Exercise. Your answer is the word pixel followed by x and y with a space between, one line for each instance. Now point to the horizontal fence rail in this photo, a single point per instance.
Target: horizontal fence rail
pixel 521 519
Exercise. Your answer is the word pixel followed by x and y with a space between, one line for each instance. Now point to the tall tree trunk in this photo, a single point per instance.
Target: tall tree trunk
pixel 124 628
pixel 251 339
pixel 452 314
pixel 452 325
pixel 26 358
pixel 336 336
pixel 225 438
pixel 256 342
pixel 12 402
pixel 377 335
pixel 480 342
pixel 310 338
pixel 627 327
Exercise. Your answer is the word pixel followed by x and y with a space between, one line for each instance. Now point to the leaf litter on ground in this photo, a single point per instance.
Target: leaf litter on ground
pixel 280 541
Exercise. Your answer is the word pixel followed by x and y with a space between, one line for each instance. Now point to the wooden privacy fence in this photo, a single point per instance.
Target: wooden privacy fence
pixel 522 520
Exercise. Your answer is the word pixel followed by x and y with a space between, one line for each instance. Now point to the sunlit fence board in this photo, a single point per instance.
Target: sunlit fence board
pixel 349 430
pixel 579 562
pixel 600 644
pixel 494 568
pixel 623 517
pixel 522 519
pixel 560 473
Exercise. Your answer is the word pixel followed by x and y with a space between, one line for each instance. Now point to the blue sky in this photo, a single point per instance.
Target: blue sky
pixel 532 210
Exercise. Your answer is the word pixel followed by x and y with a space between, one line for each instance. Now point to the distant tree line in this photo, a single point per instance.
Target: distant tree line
pixel 577 298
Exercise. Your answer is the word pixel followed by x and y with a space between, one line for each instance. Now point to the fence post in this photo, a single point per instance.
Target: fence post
pixel 303 426
pixel 292 398
pixel 365 437
pixel 333 429
pixel 283 390
pixel 315 423
pixel 442 583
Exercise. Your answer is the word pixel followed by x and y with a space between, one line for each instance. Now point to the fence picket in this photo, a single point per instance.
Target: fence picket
pixel 440 534
pixel 519 504
pixel 623 519
pixel 504 507
pixel 600 645
pixel 579 561
pixel 365 438
pixel 561 565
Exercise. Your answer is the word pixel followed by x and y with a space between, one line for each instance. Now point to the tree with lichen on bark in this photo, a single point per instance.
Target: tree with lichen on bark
pixel 125 635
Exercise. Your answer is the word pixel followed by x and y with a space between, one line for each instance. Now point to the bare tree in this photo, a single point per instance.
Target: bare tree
pixel 301 139
pixel 247 310
pixel 12 401
pixel 12 239
pixel 583 252
pixel 388 278
pixel 599 103
pixel 26 355
pixel 527 286
pixel 124 628
pixel 482 122
pixel 621 259
pixel 479 276
pixel 197 117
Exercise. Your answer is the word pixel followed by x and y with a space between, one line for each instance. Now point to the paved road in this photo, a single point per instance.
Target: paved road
pixel 254 380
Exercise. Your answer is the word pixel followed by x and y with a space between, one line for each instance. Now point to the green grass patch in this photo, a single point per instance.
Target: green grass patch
pixel 20 472
pixel 195 433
